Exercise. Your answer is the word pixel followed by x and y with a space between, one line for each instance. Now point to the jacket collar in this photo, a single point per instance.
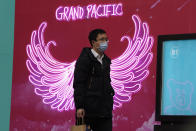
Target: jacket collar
pixel 96 55
pixel 87 51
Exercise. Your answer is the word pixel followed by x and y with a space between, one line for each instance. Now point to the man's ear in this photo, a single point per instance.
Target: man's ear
pixel 93 43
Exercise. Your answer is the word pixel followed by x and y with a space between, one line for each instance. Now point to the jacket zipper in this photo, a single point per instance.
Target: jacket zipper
pixel 91 78
pixel 90 83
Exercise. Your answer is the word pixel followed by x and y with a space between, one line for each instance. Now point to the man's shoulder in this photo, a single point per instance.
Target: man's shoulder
pixel 107 58
pixel 85 50
pixel 85 54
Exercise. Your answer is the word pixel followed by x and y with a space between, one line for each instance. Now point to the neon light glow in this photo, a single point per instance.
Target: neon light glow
pixel 53 80
pixel 90 11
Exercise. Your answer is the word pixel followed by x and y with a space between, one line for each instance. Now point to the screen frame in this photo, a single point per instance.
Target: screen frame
pixel 161 39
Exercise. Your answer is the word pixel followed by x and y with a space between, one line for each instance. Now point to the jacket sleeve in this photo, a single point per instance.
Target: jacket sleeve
pixel 80 81
pixel 111 89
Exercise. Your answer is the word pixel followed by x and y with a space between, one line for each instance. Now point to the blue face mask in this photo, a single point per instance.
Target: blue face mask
pixel 103 46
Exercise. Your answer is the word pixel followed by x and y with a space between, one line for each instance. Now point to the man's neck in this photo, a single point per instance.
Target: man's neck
pixel 99 52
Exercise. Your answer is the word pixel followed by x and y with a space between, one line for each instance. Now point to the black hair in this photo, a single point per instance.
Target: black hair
pixel 94 33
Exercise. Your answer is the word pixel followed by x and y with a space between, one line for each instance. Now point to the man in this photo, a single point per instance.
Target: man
pixel 93 93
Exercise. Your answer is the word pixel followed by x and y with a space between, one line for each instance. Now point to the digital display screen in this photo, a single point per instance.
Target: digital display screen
pixel 179 78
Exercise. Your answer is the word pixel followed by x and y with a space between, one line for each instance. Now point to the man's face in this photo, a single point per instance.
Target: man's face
pixel 100 39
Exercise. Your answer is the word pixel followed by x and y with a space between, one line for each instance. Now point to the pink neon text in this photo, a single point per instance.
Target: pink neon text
pixel 90 11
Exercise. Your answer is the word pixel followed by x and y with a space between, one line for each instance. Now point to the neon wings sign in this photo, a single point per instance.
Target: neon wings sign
pixel 53 80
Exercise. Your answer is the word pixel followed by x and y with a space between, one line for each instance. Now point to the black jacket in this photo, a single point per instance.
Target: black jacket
pixel 92 88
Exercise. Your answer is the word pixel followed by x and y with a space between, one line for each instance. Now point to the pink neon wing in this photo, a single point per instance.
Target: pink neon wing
pixel 53 80
pixel 131 68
